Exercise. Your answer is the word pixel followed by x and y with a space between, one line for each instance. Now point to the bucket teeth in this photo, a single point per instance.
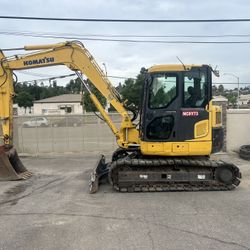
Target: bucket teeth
pixel 26 175
pixel 11 167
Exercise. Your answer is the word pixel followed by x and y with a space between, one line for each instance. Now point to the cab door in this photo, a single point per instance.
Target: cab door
pixel 161 102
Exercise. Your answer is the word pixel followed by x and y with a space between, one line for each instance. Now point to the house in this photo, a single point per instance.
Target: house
pixel 21 110
pixel 220 99
pixel 244 99
pixel 62 104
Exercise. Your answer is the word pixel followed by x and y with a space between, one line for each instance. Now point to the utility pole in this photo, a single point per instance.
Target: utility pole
pixel 106 74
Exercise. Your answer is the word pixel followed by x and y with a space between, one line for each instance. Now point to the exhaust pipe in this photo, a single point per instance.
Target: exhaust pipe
pixel 11 167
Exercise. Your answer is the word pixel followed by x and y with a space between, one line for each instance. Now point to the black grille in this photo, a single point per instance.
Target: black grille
pixel 217 139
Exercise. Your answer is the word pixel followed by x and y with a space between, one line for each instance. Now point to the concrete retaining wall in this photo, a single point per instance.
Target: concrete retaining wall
pixel 65 134
pixel 238 128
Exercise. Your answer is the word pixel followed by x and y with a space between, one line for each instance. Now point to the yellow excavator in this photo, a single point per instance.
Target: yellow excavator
pixel 167 150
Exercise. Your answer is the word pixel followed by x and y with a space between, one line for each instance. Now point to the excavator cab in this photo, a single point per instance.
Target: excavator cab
pixel 177 108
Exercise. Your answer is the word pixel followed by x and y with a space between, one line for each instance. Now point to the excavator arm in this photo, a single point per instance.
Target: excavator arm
pixel 76 57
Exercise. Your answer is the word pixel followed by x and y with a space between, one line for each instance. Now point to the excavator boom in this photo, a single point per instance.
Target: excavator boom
pixel 76 57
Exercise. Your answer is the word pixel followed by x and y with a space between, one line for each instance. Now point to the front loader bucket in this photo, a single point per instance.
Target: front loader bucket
pixel 100 172
pixel 11 167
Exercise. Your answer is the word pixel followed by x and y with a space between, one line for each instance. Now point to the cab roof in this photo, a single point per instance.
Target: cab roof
pixel 172 67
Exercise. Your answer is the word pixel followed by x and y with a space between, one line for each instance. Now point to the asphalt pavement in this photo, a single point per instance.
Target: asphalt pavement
pixel 53 210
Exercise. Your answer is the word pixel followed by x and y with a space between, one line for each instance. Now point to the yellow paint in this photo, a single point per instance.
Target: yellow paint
pixel 6 103
pixel 176 148
pixel 200 145
pixel 201 129
pixel 180 147
pixel 171 67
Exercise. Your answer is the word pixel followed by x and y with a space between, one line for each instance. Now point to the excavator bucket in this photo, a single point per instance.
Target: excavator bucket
pixel 99 174
pixel 11 167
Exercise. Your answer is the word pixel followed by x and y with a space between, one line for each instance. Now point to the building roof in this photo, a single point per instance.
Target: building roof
pixel 220 98
pixel 66 98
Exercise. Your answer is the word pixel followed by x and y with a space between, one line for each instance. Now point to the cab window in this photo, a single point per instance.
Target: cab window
pixel 163 90
pixel 195 90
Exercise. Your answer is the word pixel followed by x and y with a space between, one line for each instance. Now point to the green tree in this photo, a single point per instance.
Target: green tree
pixel 74 86
pixel 221 89
pixel 131 90
pixel 88 104
pixel 162 98
pixel 39 92
pixel 214 90
pixel 232 98
pixel 25 100
pixel 35 91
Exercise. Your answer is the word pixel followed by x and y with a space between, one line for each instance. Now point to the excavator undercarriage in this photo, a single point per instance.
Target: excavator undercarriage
pixel 137 173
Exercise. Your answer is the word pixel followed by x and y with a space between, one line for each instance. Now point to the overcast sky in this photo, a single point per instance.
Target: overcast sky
pixel 126 59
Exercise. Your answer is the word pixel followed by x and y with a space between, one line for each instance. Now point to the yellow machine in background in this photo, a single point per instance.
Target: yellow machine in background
pixel 179 127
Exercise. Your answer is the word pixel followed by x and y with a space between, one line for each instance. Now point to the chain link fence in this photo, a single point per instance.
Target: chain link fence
pixel 58 134
pixel 37 135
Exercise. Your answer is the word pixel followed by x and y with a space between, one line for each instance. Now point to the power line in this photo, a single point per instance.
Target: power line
pixel 127 20
pixel 69 35
pixel 125 78
pixel 65 76
pixel 47 79
pixel 122 77
pixel 34 74
pixel 125 40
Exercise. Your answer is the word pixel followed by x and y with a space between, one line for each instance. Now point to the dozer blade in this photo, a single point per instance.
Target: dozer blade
pixel 100 172
pixel 11 167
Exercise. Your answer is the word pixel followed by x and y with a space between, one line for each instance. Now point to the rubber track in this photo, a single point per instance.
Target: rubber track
pixel 144 164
